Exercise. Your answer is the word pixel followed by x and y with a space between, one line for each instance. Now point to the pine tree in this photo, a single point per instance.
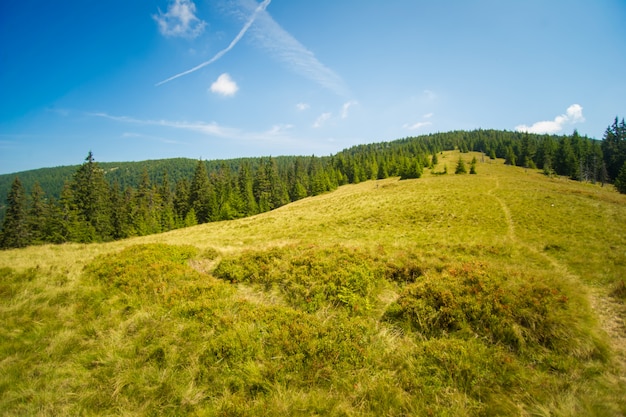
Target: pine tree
pixel 15 233
pixel 181 200
pixel 92 198
pixel 200 194
pixel 614 147
pixel 460 167
pixel 434 160
pixel 168 218
pixel 473 166
pixel 510 156
pixel 249 205
pixel 620 181
pixel 37 213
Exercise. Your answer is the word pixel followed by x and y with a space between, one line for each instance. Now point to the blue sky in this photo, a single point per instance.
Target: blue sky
pixel 212 79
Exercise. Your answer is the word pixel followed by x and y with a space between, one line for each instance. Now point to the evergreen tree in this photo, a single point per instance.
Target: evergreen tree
pixel 473 166
pixel 15 233
pixel 146 208
pixel 54 230
pixel 249 205
pixel 434 160
pixel 181 200
pixel 510 158
pixel 120 215
pixel 37 214
pixel 620 181
pixel 460 167
pixel 200 194
pixel 614 147
pixel 91 195
pixel 168 218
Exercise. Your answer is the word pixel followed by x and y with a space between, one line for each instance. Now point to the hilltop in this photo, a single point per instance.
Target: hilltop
pixel 499 293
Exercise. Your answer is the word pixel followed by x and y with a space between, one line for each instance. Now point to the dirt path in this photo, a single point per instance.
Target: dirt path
pixel 610 313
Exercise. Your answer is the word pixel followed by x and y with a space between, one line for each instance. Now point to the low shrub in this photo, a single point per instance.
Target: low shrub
pixel 310 277
pixel 518 312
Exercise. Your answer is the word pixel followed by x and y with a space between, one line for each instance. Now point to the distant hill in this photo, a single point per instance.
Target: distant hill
pixel 124 199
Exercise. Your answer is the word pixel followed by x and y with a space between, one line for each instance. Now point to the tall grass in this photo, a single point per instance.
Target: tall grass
pixel 447 295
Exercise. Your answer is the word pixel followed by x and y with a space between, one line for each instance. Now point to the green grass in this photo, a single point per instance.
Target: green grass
pixel 499 293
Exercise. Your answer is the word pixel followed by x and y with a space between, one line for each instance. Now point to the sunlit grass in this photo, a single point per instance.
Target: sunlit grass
pixel 483 294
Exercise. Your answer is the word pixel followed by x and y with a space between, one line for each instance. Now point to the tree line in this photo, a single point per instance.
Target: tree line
pixel 98 204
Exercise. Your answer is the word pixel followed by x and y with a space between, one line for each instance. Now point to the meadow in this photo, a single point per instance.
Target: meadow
pixel 500 293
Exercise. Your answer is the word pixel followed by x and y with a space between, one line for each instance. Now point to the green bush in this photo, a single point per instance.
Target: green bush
pixel 154 270
pixel 520 313
pixel 310 277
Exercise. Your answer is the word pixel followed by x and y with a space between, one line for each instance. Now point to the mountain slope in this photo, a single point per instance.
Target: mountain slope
pixel 450 294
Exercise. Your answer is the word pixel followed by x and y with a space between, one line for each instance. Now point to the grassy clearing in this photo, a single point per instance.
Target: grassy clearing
pixel 486 294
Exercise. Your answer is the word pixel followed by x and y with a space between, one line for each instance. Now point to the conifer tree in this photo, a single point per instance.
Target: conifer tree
pixel 91 197
pixel 473 166
pixel 168 218
pixel 15 233
pixel 37 213
pixel 620 181
pixel 246 190
pixel 200 194
pixel 460 167
pixel 614 147
pixel 181 200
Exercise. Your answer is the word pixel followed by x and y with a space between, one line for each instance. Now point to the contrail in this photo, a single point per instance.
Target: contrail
pixel 221 53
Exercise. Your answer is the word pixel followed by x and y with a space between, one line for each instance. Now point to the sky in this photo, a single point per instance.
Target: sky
pixel 132 80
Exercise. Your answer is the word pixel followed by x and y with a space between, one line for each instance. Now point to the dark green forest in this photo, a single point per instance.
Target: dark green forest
pixel 96 201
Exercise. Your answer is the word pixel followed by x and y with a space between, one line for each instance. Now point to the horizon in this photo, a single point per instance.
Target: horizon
pixel 235 79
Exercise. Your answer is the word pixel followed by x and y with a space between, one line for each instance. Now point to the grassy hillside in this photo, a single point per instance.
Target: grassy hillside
pixel 500 293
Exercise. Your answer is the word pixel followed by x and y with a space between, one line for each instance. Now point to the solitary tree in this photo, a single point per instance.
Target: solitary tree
pixel 473 166
pixel 460 167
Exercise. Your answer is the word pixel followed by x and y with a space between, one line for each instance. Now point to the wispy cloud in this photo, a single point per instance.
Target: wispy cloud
pixel 416 126
pixel 419 125
pixel 134 135
pixel 321 120
pixel 303 106
pixel 212 128
pixel 270 36
pixel 259 8
pixel 224 85
pixel 180 20
pixel 573 114
pixel 346 106
pixel 277 134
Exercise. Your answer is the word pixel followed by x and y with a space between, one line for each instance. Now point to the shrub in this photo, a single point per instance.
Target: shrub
pixel 467 301
pixel 310 277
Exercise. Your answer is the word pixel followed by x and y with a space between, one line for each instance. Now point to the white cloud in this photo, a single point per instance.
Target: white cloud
pixel 224 85
pixel 302 106
pixel 573 114
pixel 428 115
pixel 323 118
pixel 346 106
pixel 416 126
pixel 279 129
pixel 180 20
